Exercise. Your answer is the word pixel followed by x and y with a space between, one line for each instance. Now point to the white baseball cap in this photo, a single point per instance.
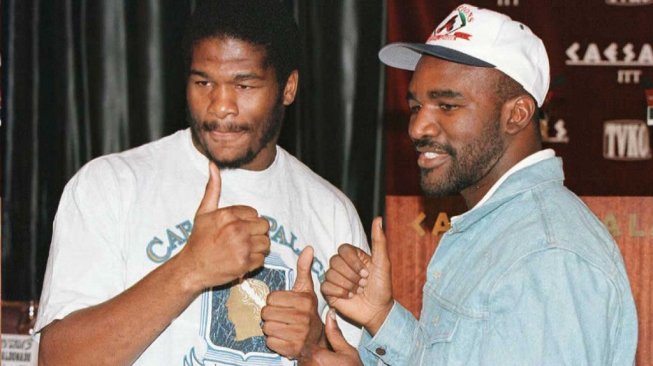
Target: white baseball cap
pixel 484 38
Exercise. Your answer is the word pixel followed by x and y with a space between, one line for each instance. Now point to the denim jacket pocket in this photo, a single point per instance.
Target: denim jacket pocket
pixel 438 323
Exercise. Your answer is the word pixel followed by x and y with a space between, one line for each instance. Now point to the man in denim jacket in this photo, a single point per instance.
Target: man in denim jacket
pixel 527 276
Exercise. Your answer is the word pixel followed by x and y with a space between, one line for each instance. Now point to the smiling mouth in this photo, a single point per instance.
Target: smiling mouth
pixel 431 154
pixel 432 159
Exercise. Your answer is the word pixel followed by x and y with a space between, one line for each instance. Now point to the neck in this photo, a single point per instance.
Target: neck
pixel 474 193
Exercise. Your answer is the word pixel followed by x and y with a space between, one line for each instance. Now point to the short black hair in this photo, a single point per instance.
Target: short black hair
pixel 507 88
pixel 266 23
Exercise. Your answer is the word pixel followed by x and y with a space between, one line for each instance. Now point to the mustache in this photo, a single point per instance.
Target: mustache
pixel 429 143
pixel 228 126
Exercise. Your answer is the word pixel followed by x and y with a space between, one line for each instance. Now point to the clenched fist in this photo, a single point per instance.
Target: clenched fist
pixel 358 285
pixel 225 243
pixel 292 325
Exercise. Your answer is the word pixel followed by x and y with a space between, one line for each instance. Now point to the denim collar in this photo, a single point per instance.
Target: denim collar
pixel 545 171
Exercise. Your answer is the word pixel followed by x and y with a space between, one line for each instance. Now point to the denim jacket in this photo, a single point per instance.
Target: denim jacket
pixel 531 277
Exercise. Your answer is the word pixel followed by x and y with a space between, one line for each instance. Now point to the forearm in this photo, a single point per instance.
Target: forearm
pixel 117 331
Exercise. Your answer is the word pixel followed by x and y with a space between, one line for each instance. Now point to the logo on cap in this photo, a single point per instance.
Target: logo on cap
pixel 449 30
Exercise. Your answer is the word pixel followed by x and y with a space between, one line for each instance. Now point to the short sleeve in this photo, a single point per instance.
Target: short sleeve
pixel 85 266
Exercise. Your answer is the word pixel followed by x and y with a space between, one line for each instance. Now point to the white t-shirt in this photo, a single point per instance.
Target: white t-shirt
pixel 124 214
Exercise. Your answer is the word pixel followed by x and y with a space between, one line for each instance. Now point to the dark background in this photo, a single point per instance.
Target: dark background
pixel 84 78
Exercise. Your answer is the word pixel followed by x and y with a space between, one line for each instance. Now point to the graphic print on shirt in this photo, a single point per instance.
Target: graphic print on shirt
pixel 230 323
pixel 159 250
pixel 231 319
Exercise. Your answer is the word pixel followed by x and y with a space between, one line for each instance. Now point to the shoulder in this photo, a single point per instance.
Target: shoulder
pixel 306 180
pixel 557 275
pixel 329 207
pixel 569 224
pixel 546 215
pixel 116 177
pixel 130 164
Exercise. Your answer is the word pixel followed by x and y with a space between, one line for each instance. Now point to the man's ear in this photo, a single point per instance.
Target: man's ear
pixel 290 90
pixel 520 111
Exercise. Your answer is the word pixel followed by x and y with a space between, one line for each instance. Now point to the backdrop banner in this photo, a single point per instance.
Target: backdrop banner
pixel 596 115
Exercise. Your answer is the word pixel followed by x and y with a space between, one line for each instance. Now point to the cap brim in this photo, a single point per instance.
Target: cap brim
pixel 406 55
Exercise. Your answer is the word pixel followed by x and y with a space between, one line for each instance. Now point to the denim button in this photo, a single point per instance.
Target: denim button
pixel 380 351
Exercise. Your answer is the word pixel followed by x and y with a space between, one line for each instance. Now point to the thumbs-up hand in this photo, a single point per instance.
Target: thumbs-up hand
pixel 358 285
pixel 225 243
pixel 291 322
pixel 304 280
pixel 342 355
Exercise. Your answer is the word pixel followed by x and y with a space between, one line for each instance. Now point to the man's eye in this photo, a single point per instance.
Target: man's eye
pixel 243 86
pixel 202 83
pixel 415 108
pixel 448 107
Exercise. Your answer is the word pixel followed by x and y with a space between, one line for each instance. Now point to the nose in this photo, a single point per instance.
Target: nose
pixel 223 102
pixel 423 124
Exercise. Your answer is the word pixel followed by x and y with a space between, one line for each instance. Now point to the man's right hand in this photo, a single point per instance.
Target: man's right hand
pixel 343 353
pixel 225 243
pixel 359 286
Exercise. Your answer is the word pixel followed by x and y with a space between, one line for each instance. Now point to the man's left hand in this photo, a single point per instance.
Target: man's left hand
pixel 291 323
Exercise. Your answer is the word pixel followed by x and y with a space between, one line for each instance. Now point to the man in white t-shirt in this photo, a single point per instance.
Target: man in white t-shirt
pixel 150 264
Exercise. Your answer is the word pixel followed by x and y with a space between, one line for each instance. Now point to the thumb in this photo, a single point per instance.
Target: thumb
pixel 379 243
pixel 334 335
pixel 212 191
pixel 304 281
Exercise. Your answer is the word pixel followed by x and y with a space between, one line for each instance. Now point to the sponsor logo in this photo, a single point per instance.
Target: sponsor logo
pixel 507 2
pixel 649 108
pixel 552 129
pixel 628 55
pixel 629 2
pixel 559 131
pixel 626 140
pixel 440 226
pixel 628 76
pixel 450 30
pixel 618 223
pixel 633 227
pixel 612 55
